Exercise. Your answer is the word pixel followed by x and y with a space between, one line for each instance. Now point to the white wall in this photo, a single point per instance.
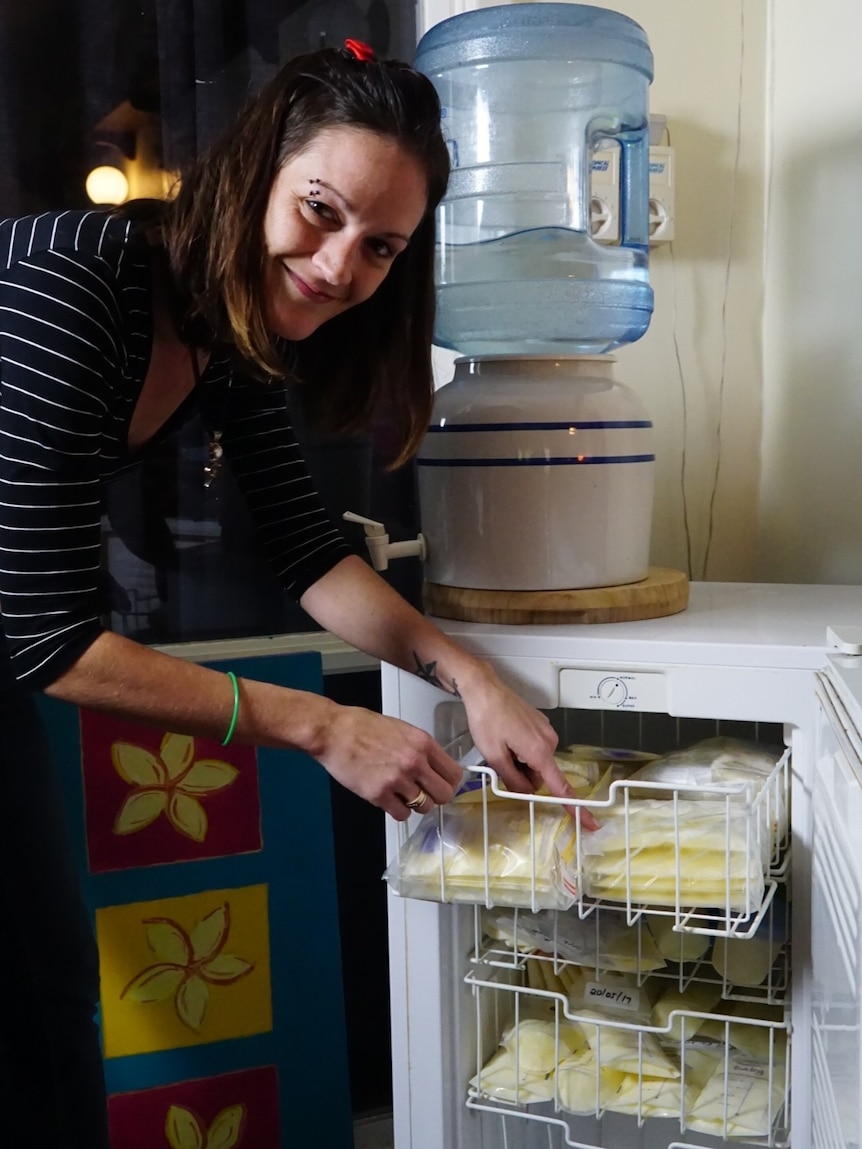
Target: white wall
pixel 811 495
pixel 698 369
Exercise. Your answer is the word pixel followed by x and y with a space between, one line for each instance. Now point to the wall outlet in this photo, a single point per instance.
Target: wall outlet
pixel 605 195
pixel 661 194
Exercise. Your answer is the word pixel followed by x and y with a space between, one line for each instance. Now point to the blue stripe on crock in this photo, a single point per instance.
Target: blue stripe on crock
pixel 562 461
pixel 571 424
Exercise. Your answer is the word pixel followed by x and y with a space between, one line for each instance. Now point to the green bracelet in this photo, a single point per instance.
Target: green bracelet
pixel 235 715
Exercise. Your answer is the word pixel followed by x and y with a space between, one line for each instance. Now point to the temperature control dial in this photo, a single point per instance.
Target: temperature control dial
pixel 607 690
pixel 612 690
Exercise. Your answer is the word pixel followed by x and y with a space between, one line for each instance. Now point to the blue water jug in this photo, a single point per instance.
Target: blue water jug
pixel 529 93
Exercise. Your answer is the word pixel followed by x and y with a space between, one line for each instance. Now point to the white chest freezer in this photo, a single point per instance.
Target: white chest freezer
pixel 745 661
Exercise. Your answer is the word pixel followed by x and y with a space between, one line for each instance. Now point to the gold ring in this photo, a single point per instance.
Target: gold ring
pixel 420 800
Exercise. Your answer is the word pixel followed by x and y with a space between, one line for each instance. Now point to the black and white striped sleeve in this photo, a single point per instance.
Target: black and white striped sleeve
pixel 60 346
pixel 297 535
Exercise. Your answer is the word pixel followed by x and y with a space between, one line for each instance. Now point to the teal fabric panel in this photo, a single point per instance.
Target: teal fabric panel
pixel 266 1078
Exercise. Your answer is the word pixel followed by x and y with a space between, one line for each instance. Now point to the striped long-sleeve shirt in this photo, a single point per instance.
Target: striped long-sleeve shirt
pixel 75 336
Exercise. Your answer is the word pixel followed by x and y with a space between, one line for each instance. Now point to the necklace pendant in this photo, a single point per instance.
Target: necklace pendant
pixel 215 451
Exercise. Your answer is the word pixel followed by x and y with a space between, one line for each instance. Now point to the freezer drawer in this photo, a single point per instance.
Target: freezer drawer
pixel 653 1052
pixel 699 836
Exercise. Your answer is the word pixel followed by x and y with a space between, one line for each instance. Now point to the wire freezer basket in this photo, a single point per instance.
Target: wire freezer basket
pixel 708 857
pixel 543 1058
pixel 754 970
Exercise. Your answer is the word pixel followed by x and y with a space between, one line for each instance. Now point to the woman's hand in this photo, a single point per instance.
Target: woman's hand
pixel 515 739
pixel 387 762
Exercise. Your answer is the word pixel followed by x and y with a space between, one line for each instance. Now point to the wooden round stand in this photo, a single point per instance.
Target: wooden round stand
pixel 663 591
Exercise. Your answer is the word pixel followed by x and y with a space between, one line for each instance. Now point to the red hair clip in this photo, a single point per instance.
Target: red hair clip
pixel 359 49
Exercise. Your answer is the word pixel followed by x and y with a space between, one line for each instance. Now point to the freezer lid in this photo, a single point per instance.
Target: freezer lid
pixel 726 624
pixel 844 672
pixel 835 935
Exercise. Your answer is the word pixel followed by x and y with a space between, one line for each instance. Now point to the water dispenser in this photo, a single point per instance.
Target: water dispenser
pixel 536 474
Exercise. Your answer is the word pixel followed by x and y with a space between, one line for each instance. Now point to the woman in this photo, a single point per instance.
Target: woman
pixel 301 245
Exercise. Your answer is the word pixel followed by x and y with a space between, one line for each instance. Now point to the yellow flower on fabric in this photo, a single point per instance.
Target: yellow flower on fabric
pixel 183 1129
pixel 188 963
pixel 170 782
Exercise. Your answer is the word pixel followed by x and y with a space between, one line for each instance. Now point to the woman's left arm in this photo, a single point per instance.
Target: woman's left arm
pixel 355 603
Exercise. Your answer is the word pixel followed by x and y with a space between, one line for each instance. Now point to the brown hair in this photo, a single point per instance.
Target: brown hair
pixel 375 358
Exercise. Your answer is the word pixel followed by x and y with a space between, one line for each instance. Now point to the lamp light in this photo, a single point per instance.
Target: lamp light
pixel 106 184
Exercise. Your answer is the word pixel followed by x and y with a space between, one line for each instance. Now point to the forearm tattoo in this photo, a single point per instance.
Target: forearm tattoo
pixel 428 671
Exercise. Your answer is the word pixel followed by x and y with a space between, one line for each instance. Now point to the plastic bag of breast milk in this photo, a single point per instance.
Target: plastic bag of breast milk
pixel 499 1080
pixel 540 1045
pixel 717 761
pixel 626 1050
pixel 507 852
pixel 739 767
pixel 674 854
pixel 668 1097
pixel 582 1086
pixel 675 1011
pixel 521 1069
pixel 677 946
pixel 601 941
pixel 651 1096
pixel 741 1099
pixel 613 1014
pixel 741 1025
pixel 591 762
pixel 547 976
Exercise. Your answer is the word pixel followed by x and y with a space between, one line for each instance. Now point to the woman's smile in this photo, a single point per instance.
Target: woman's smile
pixel 306 290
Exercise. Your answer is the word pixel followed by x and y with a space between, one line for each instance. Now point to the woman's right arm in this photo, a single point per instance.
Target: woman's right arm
pixel 56 403
pixel 383 760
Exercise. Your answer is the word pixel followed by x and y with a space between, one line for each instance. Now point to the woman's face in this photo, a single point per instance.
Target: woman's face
pixel 339 214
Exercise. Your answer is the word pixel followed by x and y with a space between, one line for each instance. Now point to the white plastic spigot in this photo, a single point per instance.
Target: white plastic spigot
pixel 379 546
